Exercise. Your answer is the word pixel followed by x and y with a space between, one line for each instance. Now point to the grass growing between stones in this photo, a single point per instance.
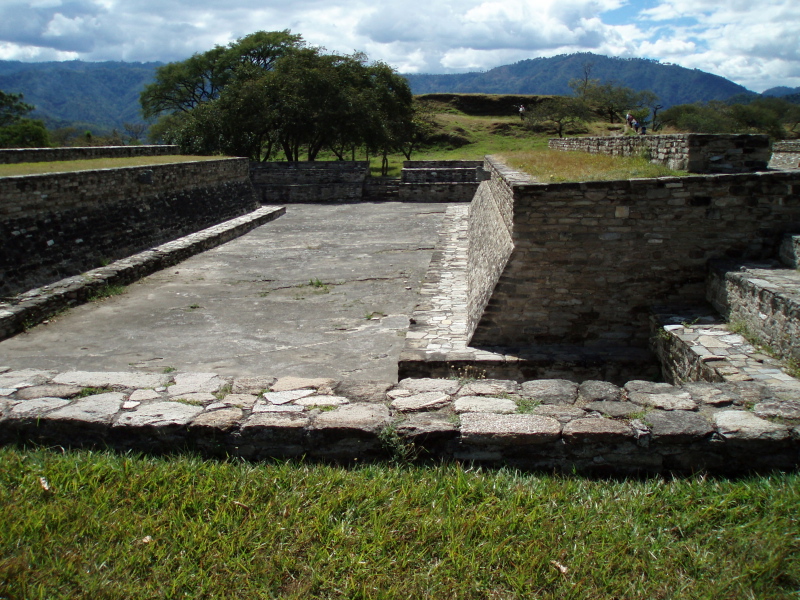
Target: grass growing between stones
pixel 554 166
pixel 114 526
pixel 67 166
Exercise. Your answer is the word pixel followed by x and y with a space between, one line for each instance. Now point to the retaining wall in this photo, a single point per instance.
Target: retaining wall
pixel 785 155
pixel 325 181
pixel 693 152
pixel 589 259
pixel 57 225
pixel 26 155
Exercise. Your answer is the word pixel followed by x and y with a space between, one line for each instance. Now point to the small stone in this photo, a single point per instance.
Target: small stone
pixel 130 404
pixel 674 401
pixel 195 383
pixel 363 391
pixel 285 384
pixel 240 400
pixel 285 408
pixel 489 387
pixel 598 391
pixel 223 419
pixel 648 387
pixel 678 426
pixel 287 396
pixel 483 404
pixel 111 379
pixel 784 409
pixel 551 391
pixel 251 385
pixel 740 425
pixel 614 409
pixel 597 431
pixel 357 418
pixel 322 401
pixel 394 394
pixel 425 427
pixel 561 413
pixel 99 409
pixel 421 402
pixel 508 430
pixel 48 391
pixel 144 395
pixel 37 407
pixel 24 378
pixel 159 414
pixel 421 386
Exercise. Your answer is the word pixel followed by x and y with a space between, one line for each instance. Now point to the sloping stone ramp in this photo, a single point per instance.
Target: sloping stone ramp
pixel 545 424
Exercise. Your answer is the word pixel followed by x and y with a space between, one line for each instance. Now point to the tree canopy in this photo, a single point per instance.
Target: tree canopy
pixel 16 131
pixel 269 93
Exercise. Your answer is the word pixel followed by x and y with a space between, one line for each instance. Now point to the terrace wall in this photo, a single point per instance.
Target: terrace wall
pixel 693 152
pixel 57 225
pixel 27 155
pixel 590 259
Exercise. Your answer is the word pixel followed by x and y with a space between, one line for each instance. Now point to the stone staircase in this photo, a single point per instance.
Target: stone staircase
pixel 750 331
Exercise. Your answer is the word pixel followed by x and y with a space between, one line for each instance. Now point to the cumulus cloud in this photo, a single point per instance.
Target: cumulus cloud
pixel 756 45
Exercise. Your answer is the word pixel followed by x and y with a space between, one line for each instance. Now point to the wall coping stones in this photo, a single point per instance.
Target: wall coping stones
pixel 28 155
pixel 34 306
pixel 330 425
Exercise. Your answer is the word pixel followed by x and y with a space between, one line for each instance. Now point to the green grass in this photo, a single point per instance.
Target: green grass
pixel 552 166
pixel 115 526
pixel 67 166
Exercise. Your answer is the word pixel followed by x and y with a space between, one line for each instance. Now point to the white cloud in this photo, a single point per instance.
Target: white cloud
pixel 757 45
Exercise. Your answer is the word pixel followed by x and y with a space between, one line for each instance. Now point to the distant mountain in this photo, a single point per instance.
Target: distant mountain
pixel 104 95
pixel 101 95
pixel 551 76
pixel 781 90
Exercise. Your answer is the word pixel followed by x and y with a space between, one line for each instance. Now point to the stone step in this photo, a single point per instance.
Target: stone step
pixel 551 424
pixel 761 300
pixel 698 345
pixel 790 251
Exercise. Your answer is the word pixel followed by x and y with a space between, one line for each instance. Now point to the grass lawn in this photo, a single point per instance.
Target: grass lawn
pixel 64 166
pixel 128 526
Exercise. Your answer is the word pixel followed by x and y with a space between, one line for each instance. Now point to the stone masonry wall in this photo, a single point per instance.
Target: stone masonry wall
pixel 26 155
pixel 693 152
pixel 57 225
pixel 785 155
pixel 590 259
pixel 490 243
pixel 324 181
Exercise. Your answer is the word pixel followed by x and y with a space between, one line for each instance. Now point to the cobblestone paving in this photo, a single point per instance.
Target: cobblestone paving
pixel 642 426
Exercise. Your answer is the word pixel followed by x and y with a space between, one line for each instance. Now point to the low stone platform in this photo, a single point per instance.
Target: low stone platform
pixel 34 306
pixel 437 345
pixel 596 426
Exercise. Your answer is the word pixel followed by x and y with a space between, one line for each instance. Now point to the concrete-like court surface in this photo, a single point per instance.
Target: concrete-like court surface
pixel 324 291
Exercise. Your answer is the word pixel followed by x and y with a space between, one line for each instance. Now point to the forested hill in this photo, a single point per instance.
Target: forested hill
pixel 104 94
pixel 672 84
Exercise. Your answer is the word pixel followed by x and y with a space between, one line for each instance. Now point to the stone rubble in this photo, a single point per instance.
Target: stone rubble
pixel 547 424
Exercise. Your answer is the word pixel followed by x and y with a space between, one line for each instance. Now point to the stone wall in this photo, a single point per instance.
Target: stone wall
pixel 324 181
pixel 442 171
pixel 590 259
pixel 26 155
pixel 57 225
pixel 785 155
pixel 693 152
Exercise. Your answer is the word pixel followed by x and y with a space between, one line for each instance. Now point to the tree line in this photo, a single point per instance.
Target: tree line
pixel 268 95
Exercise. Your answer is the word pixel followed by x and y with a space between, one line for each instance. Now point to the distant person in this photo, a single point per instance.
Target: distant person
pixel 635 125
pixel 629 119
pixel 522 111
pixel 644 130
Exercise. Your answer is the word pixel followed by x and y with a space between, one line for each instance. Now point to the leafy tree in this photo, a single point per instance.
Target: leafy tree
pixel 16 131
pixel 759 116
pixel 558 112
pixel 282 96
pixel 611 99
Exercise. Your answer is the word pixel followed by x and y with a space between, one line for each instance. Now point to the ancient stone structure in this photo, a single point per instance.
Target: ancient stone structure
pixel 26 155
pixel 585 261
pixel 785 155
pixel 693 152
pixel 57 225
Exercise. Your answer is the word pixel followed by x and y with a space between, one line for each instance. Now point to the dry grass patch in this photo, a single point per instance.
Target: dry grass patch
pixel 551 166
pixel 67 166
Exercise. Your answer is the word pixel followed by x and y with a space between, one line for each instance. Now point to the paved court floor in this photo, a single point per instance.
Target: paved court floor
pixel 323 291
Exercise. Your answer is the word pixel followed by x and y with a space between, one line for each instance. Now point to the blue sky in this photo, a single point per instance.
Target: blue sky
pixel 756 44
